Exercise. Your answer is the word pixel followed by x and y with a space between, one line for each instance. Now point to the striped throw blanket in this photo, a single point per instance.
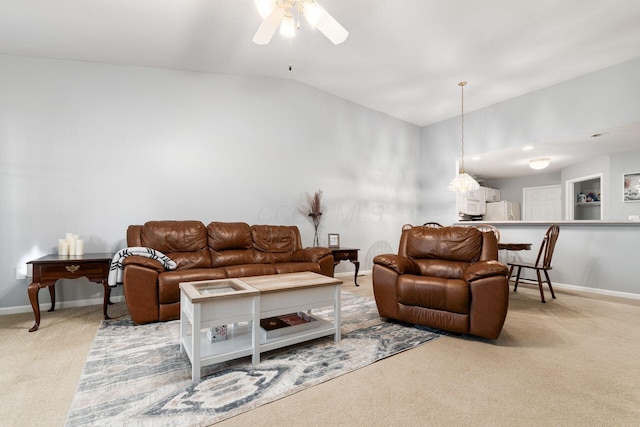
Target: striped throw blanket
pixel 116 270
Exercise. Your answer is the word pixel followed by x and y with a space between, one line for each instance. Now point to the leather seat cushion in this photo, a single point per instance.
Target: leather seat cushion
pixel 434 293
pixel 249 270
pixel 441 268
pixel 296 267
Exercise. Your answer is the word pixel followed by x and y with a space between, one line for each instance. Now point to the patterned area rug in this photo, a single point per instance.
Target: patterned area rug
pixel 136 375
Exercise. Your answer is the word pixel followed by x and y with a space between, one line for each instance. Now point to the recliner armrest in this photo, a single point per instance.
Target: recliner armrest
pixel 399 264
pixel 144 262
pixel 314 254
pixel 482 269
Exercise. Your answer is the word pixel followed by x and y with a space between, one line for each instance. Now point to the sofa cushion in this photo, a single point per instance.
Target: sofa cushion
pixel 296 267
pixel 247 270
pixel 230 243
pixel 447 243
pixel 274 243
pixel 185 242
pixel 441 268
pixel 434 293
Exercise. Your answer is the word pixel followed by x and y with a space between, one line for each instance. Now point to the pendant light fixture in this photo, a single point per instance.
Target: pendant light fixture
pixel 463 182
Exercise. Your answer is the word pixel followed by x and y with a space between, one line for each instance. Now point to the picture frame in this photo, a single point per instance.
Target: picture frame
pixel 631 187
pixel 334 240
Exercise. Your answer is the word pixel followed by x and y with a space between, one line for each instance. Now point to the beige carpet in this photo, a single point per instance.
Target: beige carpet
pixel 572 361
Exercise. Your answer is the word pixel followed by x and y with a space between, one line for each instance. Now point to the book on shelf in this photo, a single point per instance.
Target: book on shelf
pixel 277 326
pixel 271 323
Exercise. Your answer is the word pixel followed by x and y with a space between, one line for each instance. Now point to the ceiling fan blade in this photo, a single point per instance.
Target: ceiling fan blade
pixel 332 29
pixel 268 27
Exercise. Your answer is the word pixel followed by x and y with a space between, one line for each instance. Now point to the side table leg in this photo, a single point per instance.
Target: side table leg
pixel 355 278
pixel 107 299
pixel 52 294
pixel 35 305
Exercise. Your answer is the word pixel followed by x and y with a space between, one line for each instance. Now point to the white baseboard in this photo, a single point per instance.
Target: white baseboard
pixel 555 286
pixel 99 301
pixel 586 289
pixel 59 304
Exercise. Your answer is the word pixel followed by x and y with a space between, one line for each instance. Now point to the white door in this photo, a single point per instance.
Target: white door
pixel 542 203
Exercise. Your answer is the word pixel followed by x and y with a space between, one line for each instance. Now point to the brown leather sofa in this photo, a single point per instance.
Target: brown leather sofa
pixel 446 278
pixel 216 251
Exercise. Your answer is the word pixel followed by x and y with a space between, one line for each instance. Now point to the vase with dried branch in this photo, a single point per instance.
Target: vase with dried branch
pixel 314 210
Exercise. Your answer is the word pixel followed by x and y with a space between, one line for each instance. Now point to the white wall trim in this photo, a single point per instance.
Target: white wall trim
pixel 98 301
pixel 556 285
pixel 59 305
pixel 584 289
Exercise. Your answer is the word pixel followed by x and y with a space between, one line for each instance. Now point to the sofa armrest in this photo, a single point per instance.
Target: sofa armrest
pixel 144 262
pixel 310 254
pixel 397 263
pixel 140 286
pixel 489 306
pixel 483 269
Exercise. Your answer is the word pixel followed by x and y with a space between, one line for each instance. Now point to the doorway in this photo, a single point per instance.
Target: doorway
pixel 542 203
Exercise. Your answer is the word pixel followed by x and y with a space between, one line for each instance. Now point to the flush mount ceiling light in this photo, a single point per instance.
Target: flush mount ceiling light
pixel 463 182
pixel 281 12
pixel 538 164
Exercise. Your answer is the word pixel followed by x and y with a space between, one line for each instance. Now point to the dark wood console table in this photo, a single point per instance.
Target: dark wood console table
pixel 48 269
pixel 347 254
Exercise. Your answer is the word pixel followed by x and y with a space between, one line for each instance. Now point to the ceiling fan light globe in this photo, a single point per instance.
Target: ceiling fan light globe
pixel 265 7
pixel 288 26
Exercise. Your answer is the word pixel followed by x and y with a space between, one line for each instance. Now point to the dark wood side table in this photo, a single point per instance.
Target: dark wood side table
pixel 48 269
pixel 346 254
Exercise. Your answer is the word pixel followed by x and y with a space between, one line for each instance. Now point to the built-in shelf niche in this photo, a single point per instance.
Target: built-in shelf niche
pixel 584 210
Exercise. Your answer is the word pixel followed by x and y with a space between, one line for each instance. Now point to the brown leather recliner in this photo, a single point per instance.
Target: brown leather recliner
pixel 446 278
pixel 217 251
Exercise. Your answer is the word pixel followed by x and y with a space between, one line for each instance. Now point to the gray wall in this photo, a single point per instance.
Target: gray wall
pixel 92 148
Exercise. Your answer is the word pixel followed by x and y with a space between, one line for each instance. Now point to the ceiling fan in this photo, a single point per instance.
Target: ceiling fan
pixel 280 12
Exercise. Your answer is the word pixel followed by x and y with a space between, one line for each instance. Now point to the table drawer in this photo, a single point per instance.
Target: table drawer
pixel 345 255
pixel 72 270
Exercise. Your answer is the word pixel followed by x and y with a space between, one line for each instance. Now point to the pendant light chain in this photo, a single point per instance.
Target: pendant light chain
pixel 462 85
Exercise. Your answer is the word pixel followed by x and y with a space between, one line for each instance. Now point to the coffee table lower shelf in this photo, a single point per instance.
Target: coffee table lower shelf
pixel 238 343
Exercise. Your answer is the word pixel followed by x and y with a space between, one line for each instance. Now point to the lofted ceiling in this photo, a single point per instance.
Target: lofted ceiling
pixel 402 57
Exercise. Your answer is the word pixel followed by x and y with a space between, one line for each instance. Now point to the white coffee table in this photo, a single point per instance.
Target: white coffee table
pixel 241 303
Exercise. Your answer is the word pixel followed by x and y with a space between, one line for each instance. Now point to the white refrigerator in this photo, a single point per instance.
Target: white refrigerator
pixel 502 211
